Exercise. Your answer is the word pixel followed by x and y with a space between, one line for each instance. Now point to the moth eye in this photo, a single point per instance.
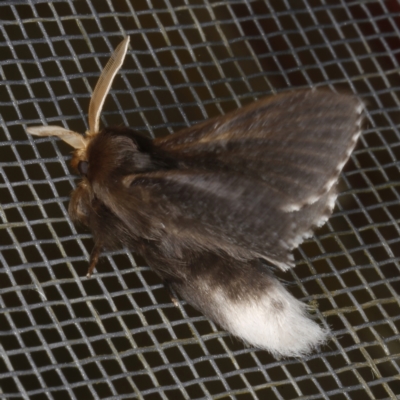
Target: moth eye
pixel 83 167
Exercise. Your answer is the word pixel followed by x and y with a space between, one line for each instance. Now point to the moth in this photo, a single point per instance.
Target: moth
pixel 211 207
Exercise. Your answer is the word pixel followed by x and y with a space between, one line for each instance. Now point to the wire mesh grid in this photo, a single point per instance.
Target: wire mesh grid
pixel 118 335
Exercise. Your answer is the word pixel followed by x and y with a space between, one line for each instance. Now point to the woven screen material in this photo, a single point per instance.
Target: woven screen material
pixel 117 335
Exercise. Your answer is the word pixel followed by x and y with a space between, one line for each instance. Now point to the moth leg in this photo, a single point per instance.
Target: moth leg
pixel 94 257
pixel 171 292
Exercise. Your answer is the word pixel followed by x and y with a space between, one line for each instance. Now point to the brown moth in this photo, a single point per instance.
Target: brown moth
pixel 210 206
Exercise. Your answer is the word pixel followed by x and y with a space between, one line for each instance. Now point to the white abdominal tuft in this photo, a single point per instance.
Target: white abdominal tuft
pixel 275 321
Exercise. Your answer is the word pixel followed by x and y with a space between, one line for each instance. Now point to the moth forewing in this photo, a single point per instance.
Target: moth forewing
pixel 103 85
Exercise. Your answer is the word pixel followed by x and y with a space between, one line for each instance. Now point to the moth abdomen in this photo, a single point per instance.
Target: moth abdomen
pixel 245 299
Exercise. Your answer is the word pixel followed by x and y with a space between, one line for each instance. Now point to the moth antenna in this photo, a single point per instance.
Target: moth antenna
pixel 103 85
pixel 74 139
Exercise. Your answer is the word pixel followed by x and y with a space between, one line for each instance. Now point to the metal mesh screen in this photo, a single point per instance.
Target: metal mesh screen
pixel 118 335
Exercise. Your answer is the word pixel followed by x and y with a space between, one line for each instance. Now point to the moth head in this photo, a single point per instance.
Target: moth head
pixel 74 139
